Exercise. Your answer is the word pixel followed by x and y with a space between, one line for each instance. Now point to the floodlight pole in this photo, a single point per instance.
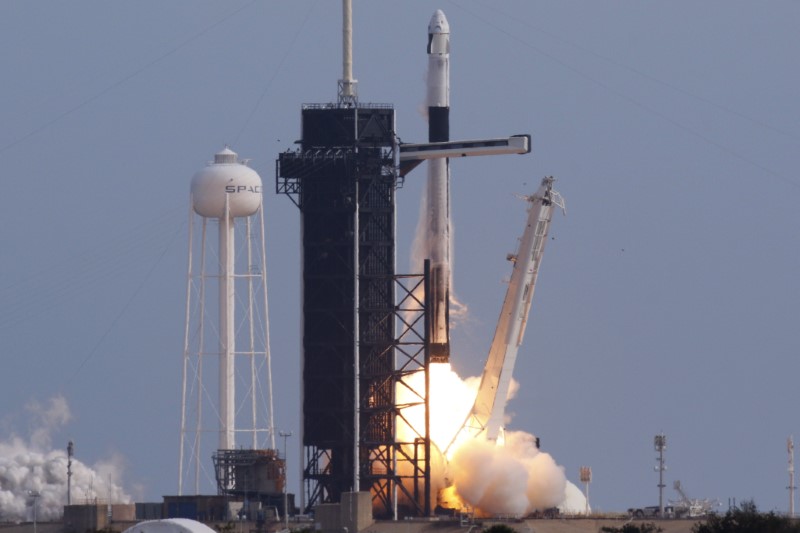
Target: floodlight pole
pixel 34 494
pixel 586 478
pixel 660 443
pixel 70 453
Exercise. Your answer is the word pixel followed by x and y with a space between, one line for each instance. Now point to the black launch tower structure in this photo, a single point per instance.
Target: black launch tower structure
pixel 343 177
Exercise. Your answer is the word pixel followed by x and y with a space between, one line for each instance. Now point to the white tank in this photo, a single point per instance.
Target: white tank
pixel 226 177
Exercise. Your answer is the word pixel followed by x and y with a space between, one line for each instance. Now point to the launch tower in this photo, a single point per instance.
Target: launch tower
pixel 359 342
pixel 343 178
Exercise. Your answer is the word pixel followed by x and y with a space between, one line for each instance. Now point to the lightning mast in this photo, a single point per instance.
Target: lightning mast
pixel 488 411
pixel 348 87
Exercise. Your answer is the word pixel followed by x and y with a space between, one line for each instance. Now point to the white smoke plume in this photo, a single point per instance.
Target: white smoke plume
pixel 512 479
pixel 30 465
pixel 459 311
pixel 419 245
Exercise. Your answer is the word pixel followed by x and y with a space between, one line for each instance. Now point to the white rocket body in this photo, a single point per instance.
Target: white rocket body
pixel 438 190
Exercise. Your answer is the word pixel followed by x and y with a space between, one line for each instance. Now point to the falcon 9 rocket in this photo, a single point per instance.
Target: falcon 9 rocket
pixel 438 189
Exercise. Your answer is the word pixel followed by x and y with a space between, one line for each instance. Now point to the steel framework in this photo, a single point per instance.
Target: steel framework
pixel 251 473
pixel 200 410
pixel 343 178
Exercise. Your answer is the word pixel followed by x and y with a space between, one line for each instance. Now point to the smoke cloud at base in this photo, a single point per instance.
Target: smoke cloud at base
pixel 511 479
pixel 32 465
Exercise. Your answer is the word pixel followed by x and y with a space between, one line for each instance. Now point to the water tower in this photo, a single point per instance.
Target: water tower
pixel 226 407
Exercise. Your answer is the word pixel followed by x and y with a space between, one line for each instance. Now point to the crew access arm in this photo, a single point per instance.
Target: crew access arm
pixel 489 408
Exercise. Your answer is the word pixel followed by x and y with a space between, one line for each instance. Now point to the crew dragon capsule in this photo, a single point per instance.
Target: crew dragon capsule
pixel 438 190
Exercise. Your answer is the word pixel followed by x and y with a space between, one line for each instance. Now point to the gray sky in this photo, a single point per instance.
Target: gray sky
pixel 668 297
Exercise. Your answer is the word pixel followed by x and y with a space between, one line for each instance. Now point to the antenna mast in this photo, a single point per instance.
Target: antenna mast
pixel 348 95
pixel 660 443
pixel 791 487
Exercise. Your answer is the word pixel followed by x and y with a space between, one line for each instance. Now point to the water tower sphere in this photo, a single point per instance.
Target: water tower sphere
pixel 226 177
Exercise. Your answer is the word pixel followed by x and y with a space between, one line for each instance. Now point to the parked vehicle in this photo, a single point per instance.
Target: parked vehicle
pixel 652 511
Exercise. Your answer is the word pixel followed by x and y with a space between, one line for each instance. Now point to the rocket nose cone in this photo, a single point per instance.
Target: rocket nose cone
pixel 438 24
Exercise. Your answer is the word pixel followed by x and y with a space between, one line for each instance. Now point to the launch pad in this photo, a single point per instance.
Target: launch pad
pixel 360 345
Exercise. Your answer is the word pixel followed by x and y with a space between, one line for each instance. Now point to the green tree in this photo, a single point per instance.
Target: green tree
pixel 747 519
pixel 647 527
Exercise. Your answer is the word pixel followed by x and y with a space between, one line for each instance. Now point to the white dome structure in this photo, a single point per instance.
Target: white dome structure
pixel 170 525
pixel 574 500
pixel 226 180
